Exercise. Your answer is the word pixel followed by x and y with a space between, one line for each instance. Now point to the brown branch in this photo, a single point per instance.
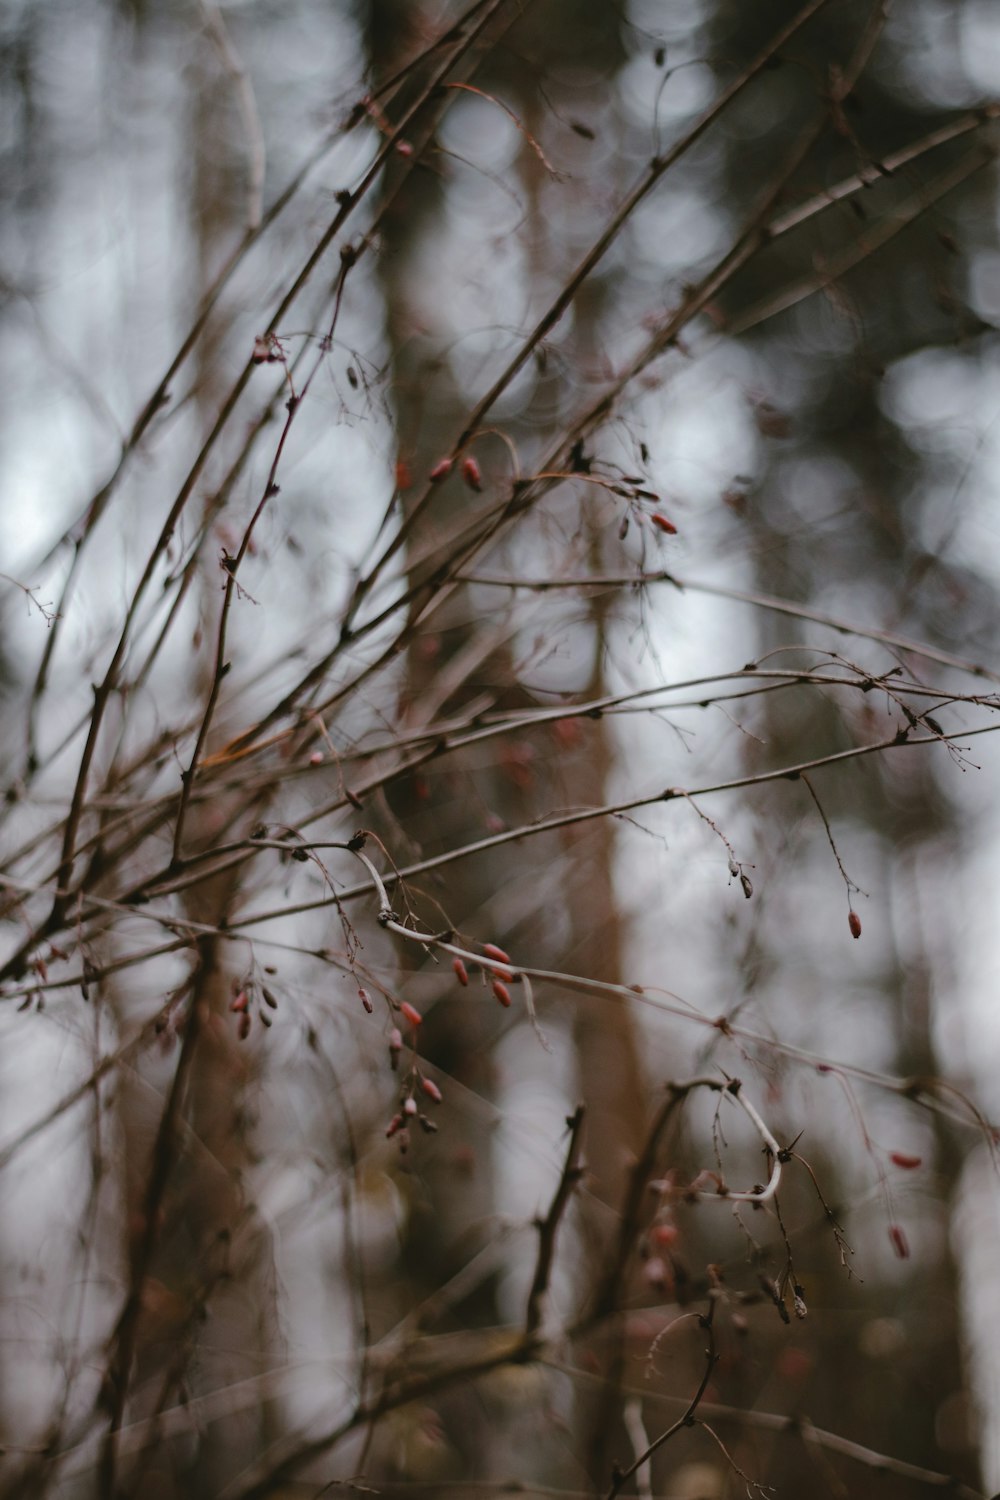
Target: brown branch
pixel 549 1226
pixel 687 1419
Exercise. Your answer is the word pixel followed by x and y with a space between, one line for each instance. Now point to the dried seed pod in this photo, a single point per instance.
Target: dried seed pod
pixel 366 1000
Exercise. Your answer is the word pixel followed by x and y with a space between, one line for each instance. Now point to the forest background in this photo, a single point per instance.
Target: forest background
pixel 500 600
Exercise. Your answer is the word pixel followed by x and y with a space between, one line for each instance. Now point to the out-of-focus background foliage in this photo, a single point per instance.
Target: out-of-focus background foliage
pixel 211 1255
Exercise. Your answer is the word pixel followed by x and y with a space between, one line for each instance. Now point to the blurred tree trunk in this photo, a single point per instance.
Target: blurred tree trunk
pixel 861 536
pixel 578 927
pixel 203 1271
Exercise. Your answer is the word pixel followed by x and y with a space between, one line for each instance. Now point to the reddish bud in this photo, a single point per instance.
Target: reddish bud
pixel 472 474
pixel 396 1123
pixel 665 1234
pixel 431 1089
pixel 854 923
pixel 794 1364
pixel 567 731
pixel 908 1163
pixel 261 350
pixel 239 1002
pixel 441 470
pixel 395 1047
pixel 501 991
pixel 492 951
pixel 461 972
pixel 660 521
pixel 899 1241
pixel 316 759
pixel 409 1106
pixel 410 1013
pixel 403 148
pixel 366 1000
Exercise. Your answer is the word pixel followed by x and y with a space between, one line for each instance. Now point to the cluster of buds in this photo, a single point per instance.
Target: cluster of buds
pixel 472 475
pixel 498 978
pixel 410 1113
pixel 660 1270
pixel 408 1013
pixel 632 489
pixel 267 350
pixel 250 999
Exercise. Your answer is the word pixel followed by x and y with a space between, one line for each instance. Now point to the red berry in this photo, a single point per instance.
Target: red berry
pixel 410 1013
pixel 431 1089
pixel 501 991
pixel 441 470
pixel 461 972
pixel 908 1163
pixel 661 521
pixel 854 923
pixel 492 951
pixel 472 474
